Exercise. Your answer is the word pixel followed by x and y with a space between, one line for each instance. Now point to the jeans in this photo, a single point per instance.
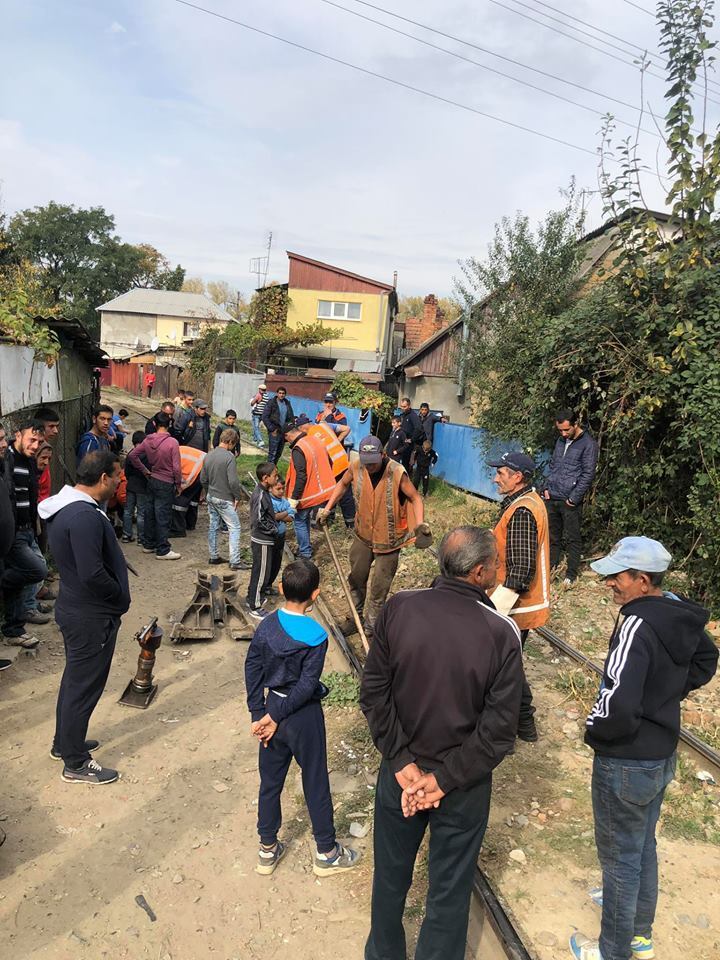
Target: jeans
pixel 223 512
pixel 158 515
pixel 564 525
pixel 302 736
pixel 24 566
pixel 30 591
pixel 457 828
pixel 276 447
pixel 626 797
pixel 139 501
pixel 257 436
pixel 89 647
pixel 302 532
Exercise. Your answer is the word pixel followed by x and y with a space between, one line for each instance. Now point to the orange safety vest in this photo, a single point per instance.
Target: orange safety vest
pixel 339 460
pixel 382 522
pixel 533 607
pixel 191 461
pixel 320 481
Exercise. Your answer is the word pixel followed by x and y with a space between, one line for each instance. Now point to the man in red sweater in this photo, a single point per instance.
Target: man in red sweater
pixel 164 476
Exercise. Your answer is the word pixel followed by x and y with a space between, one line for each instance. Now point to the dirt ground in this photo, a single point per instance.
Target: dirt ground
pixel 179 828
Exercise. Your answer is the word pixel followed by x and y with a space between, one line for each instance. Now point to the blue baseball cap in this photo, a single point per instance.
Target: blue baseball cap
pixel 633 553
pixel 515 460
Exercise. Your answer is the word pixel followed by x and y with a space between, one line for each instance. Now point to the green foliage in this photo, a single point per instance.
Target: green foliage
pixel 637 350
pixel 344 689
pixel 352 392
pixel 414 306
pixel 81 263
pixel 21 301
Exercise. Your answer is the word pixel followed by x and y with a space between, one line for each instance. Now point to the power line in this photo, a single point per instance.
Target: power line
pixel 570 36
pixel 380 76
pixel 638 7
pixel 499 56
pixel 483 66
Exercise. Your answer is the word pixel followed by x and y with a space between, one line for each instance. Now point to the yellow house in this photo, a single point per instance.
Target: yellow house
pixel 363 309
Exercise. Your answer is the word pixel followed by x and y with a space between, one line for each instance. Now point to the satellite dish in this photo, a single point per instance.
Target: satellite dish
pixel 173 334
pixel 154 344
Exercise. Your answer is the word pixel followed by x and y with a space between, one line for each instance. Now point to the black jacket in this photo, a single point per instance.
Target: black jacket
pixel 151 425
pixel 136 479
pixel 7 518
pixel 263 525
pixel 442 683
pixel 572 470
pixel 271 414
pixel 659 652
pixel 22 478
pixel 413 427
pixel 197 433
pixel 219 432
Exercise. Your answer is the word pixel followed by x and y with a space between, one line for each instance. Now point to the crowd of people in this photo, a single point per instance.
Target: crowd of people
pixel 444 690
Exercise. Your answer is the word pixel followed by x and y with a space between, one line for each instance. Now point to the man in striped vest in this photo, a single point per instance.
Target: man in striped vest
pixel 390 515
pixel 521 533
pixel 309 480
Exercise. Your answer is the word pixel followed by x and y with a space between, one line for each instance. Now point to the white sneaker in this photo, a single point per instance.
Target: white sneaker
pixel 170 556
pixel 25 640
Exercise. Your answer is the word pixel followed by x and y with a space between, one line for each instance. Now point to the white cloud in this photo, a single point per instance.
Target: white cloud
pixel 116 27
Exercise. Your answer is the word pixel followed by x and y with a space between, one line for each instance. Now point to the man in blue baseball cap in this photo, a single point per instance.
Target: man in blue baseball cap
pixel 659 652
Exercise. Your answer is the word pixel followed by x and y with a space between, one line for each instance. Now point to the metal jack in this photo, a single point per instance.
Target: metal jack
pixel 141 690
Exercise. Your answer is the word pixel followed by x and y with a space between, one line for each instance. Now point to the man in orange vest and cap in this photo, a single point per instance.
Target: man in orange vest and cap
pixel 390 515
pixel 339 462
pixel 309 481
pixel 523 580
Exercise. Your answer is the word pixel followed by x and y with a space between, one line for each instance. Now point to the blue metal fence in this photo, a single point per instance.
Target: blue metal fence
pixel 359 426
pixel 462 458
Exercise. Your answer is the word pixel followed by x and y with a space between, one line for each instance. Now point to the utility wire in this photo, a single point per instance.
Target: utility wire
pixel 638 7
pixel 499 56
pixel 570 36
pixel 483 66
pixel 380 76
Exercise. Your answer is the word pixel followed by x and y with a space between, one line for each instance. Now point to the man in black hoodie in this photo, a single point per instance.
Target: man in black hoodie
pixel 441 694
pixel 94 594
pixel 659 652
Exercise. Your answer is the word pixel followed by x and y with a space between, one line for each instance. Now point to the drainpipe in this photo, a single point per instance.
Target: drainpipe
pixel 463 345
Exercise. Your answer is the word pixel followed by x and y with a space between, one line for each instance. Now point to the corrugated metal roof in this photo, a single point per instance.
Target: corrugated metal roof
pixel 168 303
pixel 359 366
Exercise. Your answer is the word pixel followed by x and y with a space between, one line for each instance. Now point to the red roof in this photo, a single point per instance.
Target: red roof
pixel 308 274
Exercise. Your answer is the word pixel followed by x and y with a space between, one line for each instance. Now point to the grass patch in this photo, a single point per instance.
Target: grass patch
pixel 344 689
pixel 578 685
pixel 688 811
pixel 709 735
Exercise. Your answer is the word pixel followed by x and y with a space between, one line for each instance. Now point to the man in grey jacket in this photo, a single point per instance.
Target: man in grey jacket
pixel 219 479
pixel 571 474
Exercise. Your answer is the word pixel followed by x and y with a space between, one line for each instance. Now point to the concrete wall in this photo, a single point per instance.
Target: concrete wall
pixel 440 393
pixel 118 332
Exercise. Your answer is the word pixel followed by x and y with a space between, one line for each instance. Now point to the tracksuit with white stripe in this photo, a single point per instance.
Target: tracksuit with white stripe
pixel 263 544
pixel 659 652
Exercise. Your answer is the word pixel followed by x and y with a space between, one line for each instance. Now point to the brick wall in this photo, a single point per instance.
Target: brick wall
pixel 420 329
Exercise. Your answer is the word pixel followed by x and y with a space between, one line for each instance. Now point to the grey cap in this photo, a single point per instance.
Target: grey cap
pixel 371 451
pixel 200 404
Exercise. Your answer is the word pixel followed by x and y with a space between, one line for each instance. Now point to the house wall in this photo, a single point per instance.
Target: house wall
pixel 440 393
pixel 359 334
pixel 168 325
pixel 119 331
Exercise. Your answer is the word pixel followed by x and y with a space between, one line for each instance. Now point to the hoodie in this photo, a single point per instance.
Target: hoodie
pixel 92 568
pixel 161 453
pixel 286 656
pixel 659 652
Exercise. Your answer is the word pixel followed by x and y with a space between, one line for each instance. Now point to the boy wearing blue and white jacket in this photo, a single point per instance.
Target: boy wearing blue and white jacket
pixel 286 658
pixel 283 513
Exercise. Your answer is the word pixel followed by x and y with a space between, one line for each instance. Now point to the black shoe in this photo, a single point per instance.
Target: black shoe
pixel 527 731
pixel 90 772
pixel 270 592
pixel 240 566
pixel 215 561
pixel 5 664
pixel 90 745
pixel 126 539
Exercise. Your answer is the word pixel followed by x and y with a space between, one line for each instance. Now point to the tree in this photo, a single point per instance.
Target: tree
pixel 220 292
pixel 414 306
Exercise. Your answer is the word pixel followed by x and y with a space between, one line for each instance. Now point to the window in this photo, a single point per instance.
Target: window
pixel 338 310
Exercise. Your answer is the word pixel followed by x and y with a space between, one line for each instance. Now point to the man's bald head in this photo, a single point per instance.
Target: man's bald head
pixel 469 553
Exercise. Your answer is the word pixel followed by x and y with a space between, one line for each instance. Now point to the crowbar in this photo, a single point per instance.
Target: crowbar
pixel 346 590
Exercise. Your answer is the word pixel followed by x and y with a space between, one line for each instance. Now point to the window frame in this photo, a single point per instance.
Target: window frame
pixel 343 303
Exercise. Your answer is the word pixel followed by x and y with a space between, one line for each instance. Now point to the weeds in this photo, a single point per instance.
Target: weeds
pixel 344 689
pixel 578 685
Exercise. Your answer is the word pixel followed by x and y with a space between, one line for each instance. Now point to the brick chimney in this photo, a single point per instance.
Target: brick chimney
pixel 420 329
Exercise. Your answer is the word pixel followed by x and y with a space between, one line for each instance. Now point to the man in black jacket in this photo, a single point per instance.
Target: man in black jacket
pixel 572 469
pixel 277 413
pixel 441 694
pixel 169 408
pixel 94 594
pixel 196 433
pixel 659 652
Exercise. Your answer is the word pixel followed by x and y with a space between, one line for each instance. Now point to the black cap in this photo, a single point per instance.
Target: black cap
pixel 515 460
pixel 329 398
pixel 371 451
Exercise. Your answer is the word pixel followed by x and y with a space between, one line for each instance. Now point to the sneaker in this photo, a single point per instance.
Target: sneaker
pixel 34 616
pixel 126 539
pixel 527 731
pixel 90 745
pixel 148 549
pixel 46 593
pixel 583 948
pixel 25 640
pixel 568 581
pixel 240 566
pixel 596 895
pixel 5 665
pixel 642 948
pixel 45 607
pixel 214 561
pixel 90 772
pixel 269 859
pixel 171 555
pixel 324 865
pixel 257 613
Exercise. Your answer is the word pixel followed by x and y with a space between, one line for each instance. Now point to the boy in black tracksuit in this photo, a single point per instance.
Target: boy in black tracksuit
pixel 398 447
pixel 425 457
pixel 263 538
pixel 286 657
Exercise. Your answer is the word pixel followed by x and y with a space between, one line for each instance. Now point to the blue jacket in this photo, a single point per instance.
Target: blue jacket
pixel 572 470
pixel 89 443
pixel 286 655
pixel 281 505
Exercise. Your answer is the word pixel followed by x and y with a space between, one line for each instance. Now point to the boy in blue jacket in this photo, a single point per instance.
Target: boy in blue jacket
pixel 286 658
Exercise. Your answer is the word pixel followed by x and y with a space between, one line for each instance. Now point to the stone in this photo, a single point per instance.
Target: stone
pixel 542 818
pixel 178 878
pixel 566 803
pixel 359 829
pixel 546 939
pixel 219 786
pixel 702 921
pixel 518 856
pixel 521 820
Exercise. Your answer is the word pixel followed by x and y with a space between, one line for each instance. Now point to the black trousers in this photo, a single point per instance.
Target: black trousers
pixel 564 527
pixel 302 736
pixel 262 565
pixel 276 559
pixel 457 828
pixel 526 700
pixel 421 476
pixel 89 647
pixel 185 510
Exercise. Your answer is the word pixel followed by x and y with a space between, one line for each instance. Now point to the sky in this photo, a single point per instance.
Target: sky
pixel 201 136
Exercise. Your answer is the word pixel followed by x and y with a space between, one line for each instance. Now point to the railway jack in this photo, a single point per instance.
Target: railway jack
pixel 141 690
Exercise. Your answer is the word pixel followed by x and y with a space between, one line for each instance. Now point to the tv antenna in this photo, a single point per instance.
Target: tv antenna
pixel 260 265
